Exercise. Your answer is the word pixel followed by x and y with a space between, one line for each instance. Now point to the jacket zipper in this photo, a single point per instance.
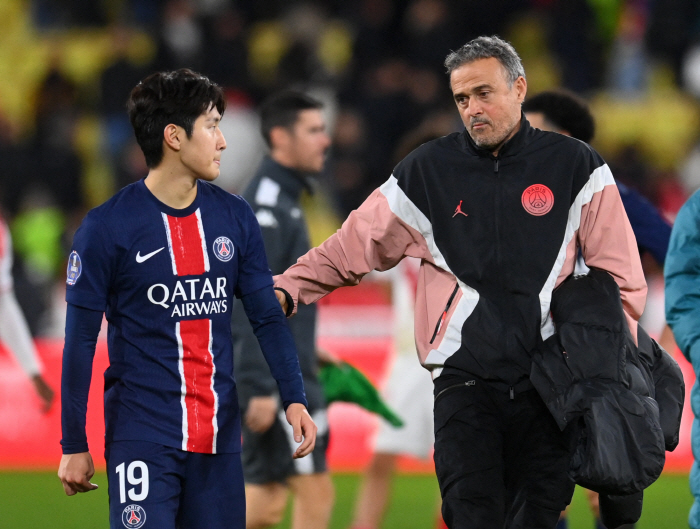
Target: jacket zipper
pixel 460 385
pixel 497 205
pixel 444 313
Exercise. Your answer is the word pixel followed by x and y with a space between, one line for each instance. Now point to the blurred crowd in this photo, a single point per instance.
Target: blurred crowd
pixel 67 67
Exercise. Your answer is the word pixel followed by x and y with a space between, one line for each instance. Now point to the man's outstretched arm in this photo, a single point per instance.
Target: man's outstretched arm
pixel 376 236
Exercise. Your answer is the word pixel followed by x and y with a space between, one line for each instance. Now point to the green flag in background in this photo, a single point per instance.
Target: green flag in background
pixel 345 383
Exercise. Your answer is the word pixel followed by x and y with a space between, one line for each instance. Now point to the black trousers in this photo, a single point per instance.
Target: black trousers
pixel 501 461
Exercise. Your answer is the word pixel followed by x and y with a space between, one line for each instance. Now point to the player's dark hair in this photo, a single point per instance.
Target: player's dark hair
pixel 487 48
pixel 282 110
pixel 163 98
pixel 565 110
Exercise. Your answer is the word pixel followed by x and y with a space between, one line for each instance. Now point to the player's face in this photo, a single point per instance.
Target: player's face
pixel 201 153
pixel 490 110
pixel 309 141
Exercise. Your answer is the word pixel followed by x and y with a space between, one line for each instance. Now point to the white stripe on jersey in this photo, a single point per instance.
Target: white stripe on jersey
pixel 205 254
pixel 183 383
pixel 170 249
pixel 215 422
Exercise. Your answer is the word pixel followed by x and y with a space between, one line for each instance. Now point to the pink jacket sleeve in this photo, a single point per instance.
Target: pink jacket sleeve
pixel 608 242
pixel 372 238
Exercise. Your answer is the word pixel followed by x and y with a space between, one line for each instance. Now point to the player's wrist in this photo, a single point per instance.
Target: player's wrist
pixel 289 300
pixel 75 447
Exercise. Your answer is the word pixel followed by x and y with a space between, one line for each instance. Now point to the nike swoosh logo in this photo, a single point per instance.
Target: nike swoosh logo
pixel 141 258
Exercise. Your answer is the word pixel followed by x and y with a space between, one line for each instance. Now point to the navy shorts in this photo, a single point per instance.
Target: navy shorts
pixel 160 487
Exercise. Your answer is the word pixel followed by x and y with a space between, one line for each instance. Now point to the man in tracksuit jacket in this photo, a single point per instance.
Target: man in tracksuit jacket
pixel 497 214
pixel 293 126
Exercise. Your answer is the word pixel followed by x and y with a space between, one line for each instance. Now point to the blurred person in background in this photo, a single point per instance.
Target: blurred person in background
pixel 488 212
pixel 293 126
pixel 682 295
pixel 14 331
pixel 564 112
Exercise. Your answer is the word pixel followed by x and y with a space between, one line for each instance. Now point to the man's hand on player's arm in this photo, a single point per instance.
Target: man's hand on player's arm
pixel 304 429
pixel 261 413
pixel 282 300
pixel 75 472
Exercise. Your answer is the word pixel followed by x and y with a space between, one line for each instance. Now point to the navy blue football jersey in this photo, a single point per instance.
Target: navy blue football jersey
pixel 165 279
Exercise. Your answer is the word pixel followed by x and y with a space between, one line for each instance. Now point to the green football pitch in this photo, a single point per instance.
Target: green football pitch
pixel 35 500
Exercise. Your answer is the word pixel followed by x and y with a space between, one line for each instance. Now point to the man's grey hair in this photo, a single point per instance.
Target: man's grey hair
pixel 486 48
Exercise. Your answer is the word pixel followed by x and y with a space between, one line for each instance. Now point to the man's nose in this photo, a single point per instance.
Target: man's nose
pixel 474 108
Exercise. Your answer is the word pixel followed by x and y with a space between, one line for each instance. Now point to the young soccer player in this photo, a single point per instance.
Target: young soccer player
pixel 163 259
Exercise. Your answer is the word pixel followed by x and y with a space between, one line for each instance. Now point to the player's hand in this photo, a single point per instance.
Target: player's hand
pixel 75 472
pixel 304 429
pixel 282 300
pixel 261 414
pixel 44 391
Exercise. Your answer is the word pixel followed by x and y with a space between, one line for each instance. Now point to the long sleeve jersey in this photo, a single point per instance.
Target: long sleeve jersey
pixel 165 278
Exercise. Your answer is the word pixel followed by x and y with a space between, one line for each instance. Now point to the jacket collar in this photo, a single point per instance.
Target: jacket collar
pixel 510 148
pixel 291 181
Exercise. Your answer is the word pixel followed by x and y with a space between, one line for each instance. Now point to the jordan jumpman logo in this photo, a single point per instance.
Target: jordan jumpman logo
pixel 459 210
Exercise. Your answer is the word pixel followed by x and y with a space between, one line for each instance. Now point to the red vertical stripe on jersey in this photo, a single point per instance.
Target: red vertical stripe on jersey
pixel 187 247
pixel 198 371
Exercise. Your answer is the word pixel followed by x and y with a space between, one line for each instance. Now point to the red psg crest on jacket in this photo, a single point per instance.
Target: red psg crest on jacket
pixel 538 200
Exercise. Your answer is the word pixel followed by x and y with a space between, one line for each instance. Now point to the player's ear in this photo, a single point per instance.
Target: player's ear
pixel 172 136
pixel 279 137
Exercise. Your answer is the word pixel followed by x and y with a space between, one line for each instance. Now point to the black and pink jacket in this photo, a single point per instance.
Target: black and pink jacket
pixel 495 235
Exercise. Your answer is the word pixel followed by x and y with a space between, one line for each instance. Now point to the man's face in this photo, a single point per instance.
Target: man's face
pixel 201 153
pixel 489 109
pixel 309 141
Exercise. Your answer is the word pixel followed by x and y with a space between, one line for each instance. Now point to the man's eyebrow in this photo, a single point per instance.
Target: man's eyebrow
pixel 481 87
pixel 473 90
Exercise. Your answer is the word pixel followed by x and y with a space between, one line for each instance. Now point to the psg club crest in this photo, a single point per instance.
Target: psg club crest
pixel 75 268
pixel 133 516
pixel 223 249
pixel 537 200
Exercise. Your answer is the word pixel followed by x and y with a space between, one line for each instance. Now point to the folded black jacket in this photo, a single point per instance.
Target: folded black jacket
pixel 625 400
